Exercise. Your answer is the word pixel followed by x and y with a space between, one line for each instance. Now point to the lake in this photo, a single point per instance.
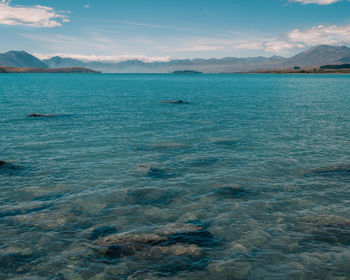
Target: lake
pixel 249 178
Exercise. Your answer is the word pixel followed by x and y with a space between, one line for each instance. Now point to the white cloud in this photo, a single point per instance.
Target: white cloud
pixel 331 34
pixel 104 58
pixel 319 2
pixel 38 16
pixel 281 46
pixel 318 35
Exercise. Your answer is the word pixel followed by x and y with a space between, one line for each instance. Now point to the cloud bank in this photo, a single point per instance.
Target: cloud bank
pixel 104 58
pixel 318 35
pixel 319 2
pixel 37 16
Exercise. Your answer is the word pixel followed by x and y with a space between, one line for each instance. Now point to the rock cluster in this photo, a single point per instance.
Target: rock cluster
pixel 170 239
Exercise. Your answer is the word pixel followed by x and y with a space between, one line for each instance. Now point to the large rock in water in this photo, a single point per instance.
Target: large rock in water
pixel 170 239
pixel 330 229
pixel 35 115
pixel 7 166
pixel 174 102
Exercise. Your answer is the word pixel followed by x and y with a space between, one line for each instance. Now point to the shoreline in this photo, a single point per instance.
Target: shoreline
pixel 26 70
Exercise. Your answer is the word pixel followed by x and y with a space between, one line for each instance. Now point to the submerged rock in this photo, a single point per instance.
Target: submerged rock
pixel 226 141
pixel 164 146
pixel 171 229
pixel 230 269
pixel 202 162
pixel 16 261
pixel 170 239
pixel 102 231
pixel 132 239
pixel 152 196
pixel 230 192
pixel 333 170
pixel 35 115
pixel 174 102
pixel 330 229
pixel 177 250
pixel 8 167
pixel 154 172
pixel 125 244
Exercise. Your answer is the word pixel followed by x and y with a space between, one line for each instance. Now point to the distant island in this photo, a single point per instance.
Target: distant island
pixel 5 69
pixel 187 72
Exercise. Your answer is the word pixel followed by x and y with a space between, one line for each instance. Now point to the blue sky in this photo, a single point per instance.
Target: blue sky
pixel 165 29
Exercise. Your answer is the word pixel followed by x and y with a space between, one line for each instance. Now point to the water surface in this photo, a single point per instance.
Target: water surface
pixel 259 162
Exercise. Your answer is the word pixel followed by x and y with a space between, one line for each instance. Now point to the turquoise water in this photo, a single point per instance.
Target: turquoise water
pixel 253 173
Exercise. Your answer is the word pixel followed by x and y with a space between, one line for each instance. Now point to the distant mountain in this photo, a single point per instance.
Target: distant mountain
pixel 320 55
pixel 57 61
pixel 21 59
pixel 316 56
pixel 313 57
pixel 213 65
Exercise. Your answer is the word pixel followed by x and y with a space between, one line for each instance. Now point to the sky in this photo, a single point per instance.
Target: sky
pixel 161 30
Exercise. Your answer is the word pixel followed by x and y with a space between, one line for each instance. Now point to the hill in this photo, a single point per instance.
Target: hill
pixel 21 59
pixel 319 55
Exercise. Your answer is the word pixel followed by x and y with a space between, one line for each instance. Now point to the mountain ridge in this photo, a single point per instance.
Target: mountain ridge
pixel 312 57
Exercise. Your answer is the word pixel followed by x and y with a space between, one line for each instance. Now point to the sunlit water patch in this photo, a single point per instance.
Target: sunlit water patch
pixel 102 178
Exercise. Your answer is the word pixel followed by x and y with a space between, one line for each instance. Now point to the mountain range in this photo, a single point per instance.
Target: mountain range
pixel 313 57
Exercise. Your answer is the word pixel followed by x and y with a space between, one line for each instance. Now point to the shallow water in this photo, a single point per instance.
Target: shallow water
pixel 259 162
